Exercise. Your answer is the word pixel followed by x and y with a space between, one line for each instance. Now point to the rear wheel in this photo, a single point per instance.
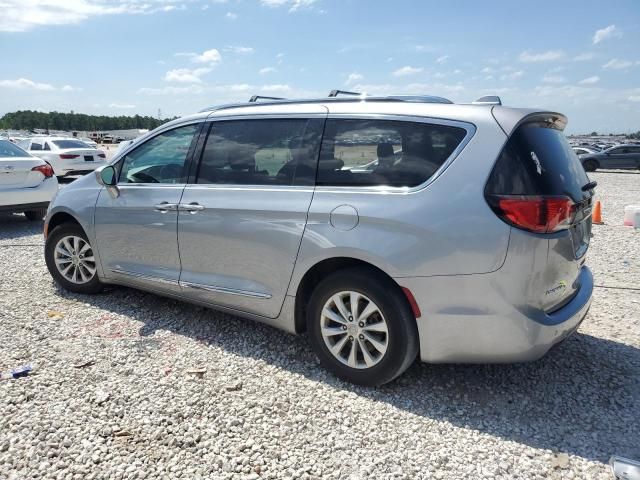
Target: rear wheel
pixel 35 215
pixel 590 165
pixel 70 259
pixel 361 327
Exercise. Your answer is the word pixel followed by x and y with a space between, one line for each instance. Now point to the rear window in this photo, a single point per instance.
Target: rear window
pixel 537 160
pixel 384 152
pixel 69 144
pixel 9 150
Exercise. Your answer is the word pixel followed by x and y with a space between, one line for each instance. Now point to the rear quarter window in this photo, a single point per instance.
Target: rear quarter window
pixel 537 160
pixel 384 152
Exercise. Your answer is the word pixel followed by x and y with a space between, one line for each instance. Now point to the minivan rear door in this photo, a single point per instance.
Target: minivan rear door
pixel 244 211
pixel 538 163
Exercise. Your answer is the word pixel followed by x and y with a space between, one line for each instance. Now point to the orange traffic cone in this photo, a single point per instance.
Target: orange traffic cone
pixel 596 216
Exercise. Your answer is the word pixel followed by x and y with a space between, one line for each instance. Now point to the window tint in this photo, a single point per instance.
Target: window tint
pixel 69 144
pixel 36 146
pixel 160 159
pixel 261 152
pixel 537 161
pixel 384 152
pixel 8 150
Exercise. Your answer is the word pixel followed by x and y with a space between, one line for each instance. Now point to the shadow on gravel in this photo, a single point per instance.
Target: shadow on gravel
pixel 16 226
pixel 583 398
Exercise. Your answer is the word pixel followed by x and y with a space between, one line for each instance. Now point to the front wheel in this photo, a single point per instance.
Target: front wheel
pixel 70 259
pixel 361 327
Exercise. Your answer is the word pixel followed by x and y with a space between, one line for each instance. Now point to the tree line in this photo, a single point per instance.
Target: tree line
pixel 29 120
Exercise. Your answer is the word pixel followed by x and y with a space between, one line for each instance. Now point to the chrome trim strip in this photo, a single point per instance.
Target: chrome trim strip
pixel 231 291
pixel 145 277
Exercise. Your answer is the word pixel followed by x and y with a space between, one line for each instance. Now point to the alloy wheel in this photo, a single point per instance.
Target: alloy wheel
pixel 74 259
pixel 354 329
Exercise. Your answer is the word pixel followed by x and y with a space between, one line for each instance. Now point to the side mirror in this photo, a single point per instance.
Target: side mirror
pixel 106 176
pixel 624 469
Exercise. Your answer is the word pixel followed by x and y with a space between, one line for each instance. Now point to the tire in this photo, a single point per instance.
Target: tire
pixel 72 231
pixel 401 337
pixel 590 165
pixel 35 215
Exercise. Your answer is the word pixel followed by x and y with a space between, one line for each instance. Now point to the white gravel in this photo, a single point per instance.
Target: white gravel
pixel 264 408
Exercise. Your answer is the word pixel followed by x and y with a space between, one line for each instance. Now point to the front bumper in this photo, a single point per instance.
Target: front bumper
pixel 469 319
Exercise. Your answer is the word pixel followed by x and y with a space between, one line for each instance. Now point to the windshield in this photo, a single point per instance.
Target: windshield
pixel 69 144
pixel 9 150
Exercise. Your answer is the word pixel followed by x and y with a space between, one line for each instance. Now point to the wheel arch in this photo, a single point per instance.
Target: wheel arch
pixel 59 218
pixel 591 159
pixel 314 275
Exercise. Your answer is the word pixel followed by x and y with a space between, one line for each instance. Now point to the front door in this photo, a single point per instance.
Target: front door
pixel 240 224
pixel 136 229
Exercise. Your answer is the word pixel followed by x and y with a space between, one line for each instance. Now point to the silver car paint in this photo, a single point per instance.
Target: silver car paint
pixel 471 274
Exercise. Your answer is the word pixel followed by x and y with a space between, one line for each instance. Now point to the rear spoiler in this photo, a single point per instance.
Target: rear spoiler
pixel 511 118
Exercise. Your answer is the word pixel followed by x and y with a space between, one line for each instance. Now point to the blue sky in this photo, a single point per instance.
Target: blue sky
pixel 137 56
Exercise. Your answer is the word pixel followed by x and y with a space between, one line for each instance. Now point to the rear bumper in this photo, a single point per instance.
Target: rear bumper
pixel 469 319
pixel 22 199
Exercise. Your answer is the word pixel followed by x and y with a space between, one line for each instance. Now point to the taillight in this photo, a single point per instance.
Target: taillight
pixel 535 213
pixel 68 156
pixel 45 169
pixel 102 155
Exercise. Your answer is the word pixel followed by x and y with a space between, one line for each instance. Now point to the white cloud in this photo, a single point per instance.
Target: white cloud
pixel 554 79
pixel 512 76
pixel 605 33
pixel 211 56
pixel 191 89
pixel 294 5
pixel 583 57
pixel 69 88
pixel 352 78
pixel 589 80
pixel 185 75
pixel 442 59
pixel 634 98
pixel 548 56
pixel 408 70
pixel 238 49
pixel 617 64
pixel 26 84
pixel 487 70
pixel 266 70
pixel 231 15
pixel 275 88
pixel 123 106
pixel 24 15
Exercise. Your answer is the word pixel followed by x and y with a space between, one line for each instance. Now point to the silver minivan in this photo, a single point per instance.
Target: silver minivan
pixel 384 227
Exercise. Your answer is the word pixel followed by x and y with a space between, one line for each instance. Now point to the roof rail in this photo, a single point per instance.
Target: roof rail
pixel 256 98
pixel 335 93
pixel 488 100
pixel 333 99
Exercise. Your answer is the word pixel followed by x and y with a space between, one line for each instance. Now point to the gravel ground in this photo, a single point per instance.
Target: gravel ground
pixel 266 409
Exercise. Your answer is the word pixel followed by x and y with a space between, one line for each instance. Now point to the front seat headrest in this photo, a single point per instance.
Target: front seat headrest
pixel 385 150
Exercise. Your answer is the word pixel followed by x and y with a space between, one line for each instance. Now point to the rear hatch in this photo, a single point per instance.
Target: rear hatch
pixel 539 185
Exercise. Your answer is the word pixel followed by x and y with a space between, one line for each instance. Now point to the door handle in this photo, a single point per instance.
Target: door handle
pixel 164 207
pixel 190 207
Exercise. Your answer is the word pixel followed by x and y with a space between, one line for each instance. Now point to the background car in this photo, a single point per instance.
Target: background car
pixel 27 183
pixel 620 156
pixel 584 150
pixel 67 156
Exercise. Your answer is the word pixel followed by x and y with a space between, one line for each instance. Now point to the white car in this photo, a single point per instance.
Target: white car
pixel 67 156
pixel 27 183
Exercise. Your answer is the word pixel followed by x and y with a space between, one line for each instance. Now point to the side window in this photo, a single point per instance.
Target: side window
pixel 384 152
pixel 36 145
pixel 261 152
pixel 616 151
pixel 46 146
pixel 160 159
